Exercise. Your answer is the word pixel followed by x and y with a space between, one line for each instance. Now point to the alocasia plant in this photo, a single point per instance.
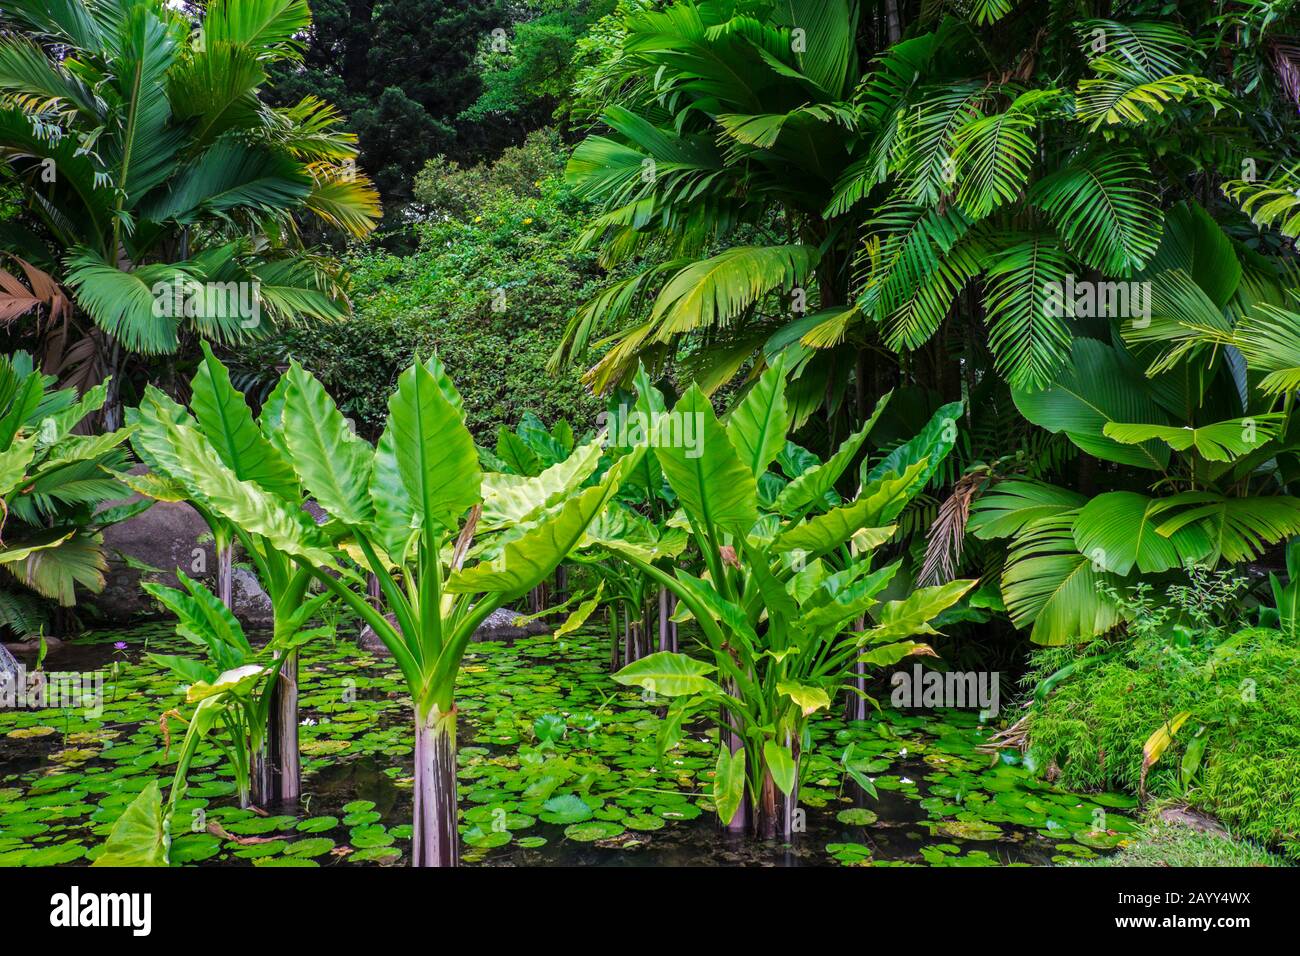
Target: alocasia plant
pixel 788 571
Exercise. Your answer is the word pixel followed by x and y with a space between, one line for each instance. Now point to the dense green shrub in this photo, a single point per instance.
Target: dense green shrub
pixel 490 288
pixel 1242 688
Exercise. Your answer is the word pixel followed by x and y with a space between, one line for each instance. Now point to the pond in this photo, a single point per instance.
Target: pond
pixel 558 766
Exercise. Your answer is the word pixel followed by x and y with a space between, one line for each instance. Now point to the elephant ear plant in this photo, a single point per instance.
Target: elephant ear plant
pixel 222 445
pixel 408 512
pixel 788 571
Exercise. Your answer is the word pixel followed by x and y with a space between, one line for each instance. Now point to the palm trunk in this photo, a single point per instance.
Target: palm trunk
pixel 892 26
pixel 112 413
pixel 435 840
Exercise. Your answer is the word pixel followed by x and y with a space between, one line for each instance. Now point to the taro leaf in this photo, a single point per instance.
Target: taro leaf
pixel 715 486
pixel 729 782
pixel 757 425
pixel 669 674
pixel 139 838
pixel 780 763
pixel 809 699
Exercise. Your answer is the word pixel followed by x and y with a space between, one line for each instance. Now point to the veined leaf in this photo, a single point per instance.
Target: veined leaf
pixel 1222 441
pixel 669 674
pixel 425 467
pixel 333 463
pixel 1116 530
pixel 715 487
pixel 139 837
pixel 729 782
pixel 758 425
pixel 227 422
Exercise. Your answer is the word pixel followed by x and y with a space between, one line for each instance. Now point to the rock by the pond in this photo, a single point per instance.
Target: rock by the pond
pixel 169 536
pixel 8 665
pixel 497 626
pixel 252 604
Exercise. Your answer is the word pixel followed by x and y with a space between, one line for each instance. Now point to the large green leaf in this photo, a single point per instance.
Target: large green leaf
pixel 512 499
pixel 227 422
pixel 333 463
pixel 1012 505
pixel 813 484
pixel 879 503
pixel 780 764
pixel 526 560
pixel 930 445
pixel 139 837
pixel 669 674
pixel 426 467
pixel 1096 387
pixel 714 485
pixel 729 782
pixel 1117 530
pixel 285 526
pixel 912 615
pixel 1221 441
pixel 1238 528
pixel 809 699
pixel 1048 584
pixel 757 426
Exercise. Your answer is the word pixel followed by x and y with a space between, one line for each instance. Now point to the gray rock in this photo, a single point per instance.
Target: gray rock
pixel 8 665
pixel 169 536
pixel 252 605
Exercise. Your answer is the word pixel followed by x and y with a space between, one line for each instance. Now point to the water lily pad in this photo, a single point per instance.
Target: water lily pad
pixel 857 816
pixel 315 846
pixel 593 830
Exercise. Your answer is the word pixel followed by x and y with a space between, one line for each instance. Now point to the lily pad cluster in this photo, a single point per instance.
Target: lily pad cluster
pixel 556 763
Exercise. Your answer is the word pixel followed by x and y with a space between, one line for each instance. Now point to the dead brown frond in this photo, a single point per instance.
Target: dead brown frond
pixel 948 532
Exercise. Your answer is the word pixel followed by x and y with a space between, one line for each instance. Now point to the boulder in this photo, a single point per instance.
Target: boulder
pixel 7 663
pixel 169 536
pixel 252 605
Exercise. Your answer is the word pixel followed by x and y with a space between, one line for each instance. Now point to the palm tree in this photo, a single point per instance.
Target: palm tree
pixel 928 205
pixel 149 166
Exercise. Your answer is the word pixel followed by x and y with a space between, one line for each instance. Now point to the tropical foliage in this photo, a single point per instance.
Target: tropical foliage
pixel 788 570
pixel 149 166
pixel 810 186
pixel 52 484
